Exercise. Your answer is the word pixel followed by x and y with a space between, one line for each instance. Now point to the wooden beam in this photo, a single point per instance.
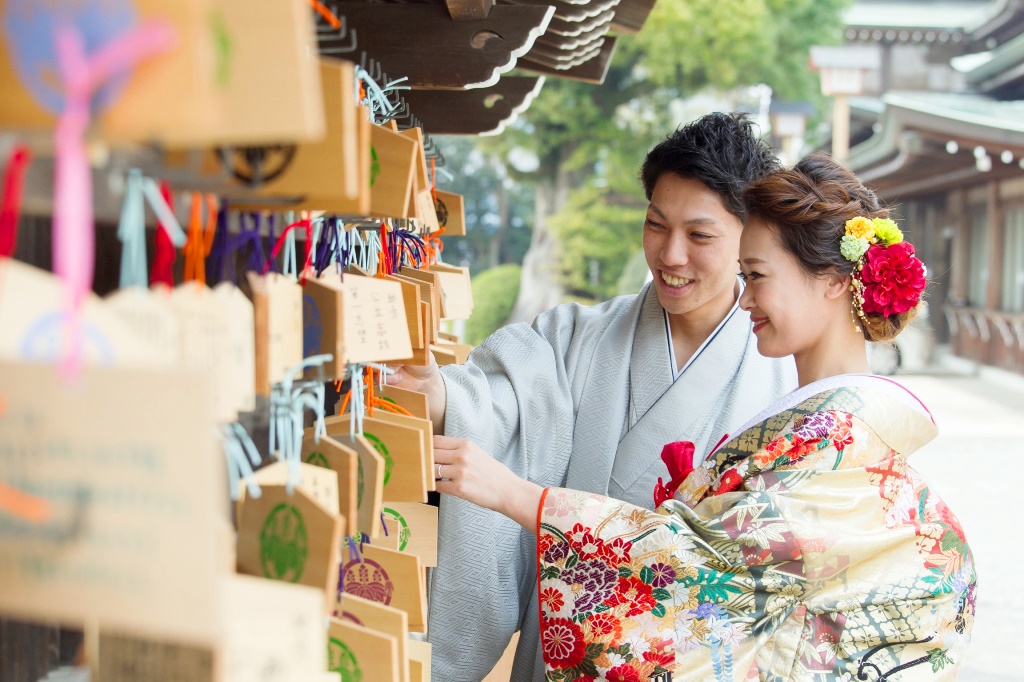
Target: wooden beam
pixel 572 43
pixel 573 29
pixel 421 41
pixel 474 112
pixel 592 71
pixel 466 10
pixel 573 12
pixel 631 15
pixel 564 60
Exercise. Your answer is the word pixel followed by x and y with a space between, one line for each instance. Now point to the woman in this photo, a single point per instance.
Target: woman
pixel 804 547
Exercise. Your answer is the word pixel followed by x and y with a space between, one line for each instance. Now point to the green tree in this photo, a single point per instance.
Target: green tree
pixel 589 141
pixel 499 209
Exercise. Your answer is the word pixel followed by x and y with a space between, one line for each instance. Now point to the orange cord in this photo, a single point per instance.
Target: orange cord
pixel 372 400
pixel 327 14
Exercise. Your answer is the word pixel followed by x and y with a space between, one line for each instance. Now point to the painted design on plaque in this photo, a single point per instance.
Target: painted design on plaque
pixel 374 166
pixel 382 449
pixel 312 327
pixel 340 659
pixel 359 486
pixel 317 459
pixel 29 27
pixel 284 544
pixel 369 580
pixel 404 532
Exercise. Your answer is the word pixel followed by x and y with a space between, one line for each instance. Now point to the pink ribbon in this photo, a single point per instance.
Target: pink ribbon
pixel 73 236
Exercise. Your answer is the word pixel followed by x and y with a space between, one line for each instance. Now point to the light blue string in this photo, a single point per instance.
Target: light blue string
pixel 131 230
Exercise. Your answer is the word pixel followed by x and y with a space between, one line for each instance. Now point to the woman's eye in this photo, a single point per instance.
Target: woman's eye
pixel 653 225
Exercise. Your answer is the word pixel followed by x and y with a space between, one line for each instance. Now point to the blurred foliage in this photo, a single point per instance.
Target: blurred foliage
pixel 494 293
pixel 483 181
pixel 582 145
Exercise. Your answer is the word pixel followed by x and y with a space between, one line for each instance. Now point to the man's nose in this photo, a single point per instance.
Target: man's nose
pixel 675 250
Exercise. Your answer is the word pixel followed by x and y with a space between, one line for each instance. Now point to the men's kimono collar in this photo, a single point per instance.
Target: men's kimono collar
pixel 650 365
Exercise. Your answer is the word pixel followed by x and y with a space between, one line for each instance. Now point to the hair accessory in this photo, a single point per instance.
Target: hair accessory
pixel 888 279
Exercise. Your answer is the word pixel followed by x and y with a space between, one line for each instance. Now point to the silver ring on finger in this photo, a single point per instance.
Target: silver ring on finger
pixel 439 476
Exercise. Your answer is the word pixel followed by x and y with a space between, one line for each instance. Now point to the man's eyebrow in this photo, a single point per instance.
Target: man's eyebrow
pixel 700 220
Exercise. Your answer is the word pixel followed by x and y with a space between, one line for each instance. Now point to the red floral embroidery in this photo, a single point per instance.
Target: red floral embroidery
pixel 843 434
pixel 544 543
pixel 635 594
pixel 622 673
pixel 553 599
pixel 605 623
pixel 663 654
pixel 730 481
pixel 563 643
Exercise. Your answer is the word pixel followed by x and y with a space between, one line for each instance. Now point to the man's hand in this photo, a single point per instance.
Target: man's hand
pixel 424 380
pixel 470 473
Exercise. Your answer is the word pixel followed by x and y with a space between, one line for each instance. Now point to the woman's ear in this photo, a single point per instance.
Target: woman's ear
pixel 836 285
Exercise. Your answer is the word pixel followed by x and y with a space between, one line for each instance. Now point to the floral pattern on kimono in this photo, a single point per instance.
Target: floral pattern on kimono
pixel 805 548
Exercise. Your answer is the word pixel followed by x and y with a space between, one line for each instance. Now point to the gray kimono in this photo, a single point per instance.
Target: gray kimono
pixel 584 399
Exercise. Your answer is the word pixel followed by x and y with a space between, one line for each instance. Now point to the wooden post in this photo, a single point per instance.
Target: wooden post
pixel 841 129
pixel 994 235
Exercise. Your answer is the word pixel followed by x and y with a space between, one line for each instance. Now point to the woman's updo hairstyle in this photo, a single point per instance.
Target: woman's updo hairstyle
pixel 808 206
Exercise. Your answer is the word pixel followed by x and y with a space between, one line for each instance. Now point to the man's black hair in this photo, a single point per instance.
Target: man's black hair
pixel 720 150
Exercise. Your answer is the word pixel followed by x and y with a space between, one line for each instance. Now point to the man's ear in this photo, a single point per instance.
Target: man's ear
pixel 836 285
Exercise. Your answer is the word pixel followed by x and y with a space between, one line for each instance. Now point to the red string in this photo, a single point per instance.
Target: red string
pixel 306 224
pixel 163 260
pixel 10 211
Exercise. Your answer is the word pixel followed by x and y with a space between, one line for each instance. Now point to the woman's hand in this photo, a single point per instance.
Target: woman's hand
pixel 468 472
pixel 424 380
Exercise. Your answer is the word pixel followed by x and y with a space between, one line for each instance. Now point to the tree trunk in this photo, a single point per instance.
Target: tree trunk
pixel 540 287
pixel 498 240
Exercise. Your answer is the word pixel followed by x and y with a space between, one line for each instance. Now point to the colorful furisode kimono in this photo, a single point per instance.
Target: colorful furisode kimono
pixel 804 548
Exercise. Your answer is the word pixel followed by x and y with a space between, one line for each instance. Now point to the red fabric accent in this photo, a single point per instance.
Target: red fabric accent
pixel 163 260
pixel 540 514
pixel 10 210
pixel 678 457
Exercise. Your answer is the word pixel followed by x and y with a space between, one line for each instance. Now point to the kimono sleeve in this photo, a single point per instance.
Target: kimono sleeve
pixel 513 400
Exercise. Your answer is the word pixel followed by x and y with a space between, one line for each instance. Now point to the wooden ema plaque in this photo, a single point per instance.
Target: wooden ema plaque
pixel 416 529
pixel 359 653
pixel 415 403
pixel 402 450
pixel 289 538
pixel 384 619
pixel 426 429
pixel 413 312
pixel 271 625
pixel 360 319
pixel 344 461
pixel 456 291
pixel 235 73
pixel 370 478
pixel 277 311
pixel 419 661
pixel 320 484
pixel 390 578
pixel 332 173
pixel 392 173
pixel 129 464
pixel 453 213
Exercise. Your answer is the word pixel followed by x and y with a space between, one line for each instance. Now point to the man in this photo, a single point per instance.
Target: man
pixel 587 396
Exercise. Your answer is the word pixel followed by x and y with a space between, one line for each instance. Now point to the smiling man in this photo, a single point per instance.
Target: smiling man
pixel 587 397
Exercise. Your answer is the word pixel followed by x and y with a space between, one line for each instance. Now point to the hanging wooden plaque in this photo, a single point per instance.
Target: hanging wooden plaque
pixel 393 171
pixel 452 214
pixel 402 450
pixel 289 538
pixel 415 403
pixel 359 653
pixel 417 529
pixel 370 478
pixel 384 619
pixel 277 313
pixel 389 577
pixel 344 461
